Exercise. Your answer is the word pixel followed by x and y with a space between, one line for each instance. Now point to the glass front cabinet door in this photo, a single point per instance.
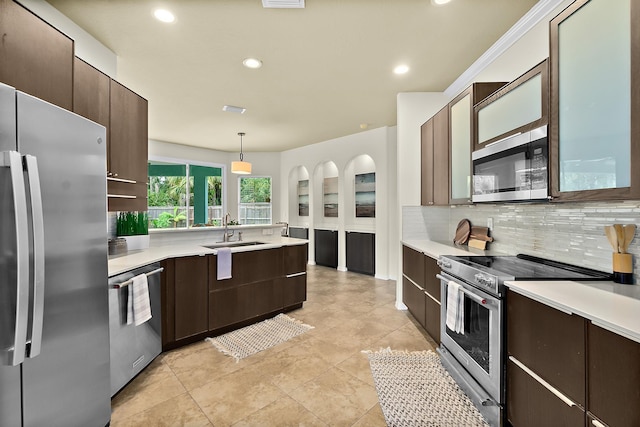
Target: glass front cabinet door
pixel 595 101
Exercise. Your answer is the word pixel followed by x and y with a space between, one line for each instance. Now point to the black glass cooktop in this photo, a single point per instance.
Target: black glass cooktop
pixel 527 267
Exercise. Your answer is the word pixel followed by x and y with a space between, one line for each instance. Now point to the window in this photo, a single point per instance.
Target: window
pixel 169 184
pixel 255 200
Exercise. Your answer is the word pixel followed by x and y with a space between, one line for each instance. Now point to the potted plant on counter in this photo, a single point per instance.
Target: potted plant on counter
pixel 134 227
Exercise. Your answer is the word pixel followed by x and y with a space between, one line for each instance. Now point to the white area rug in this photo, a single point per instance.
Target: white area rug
pixel 414 390
pixel 259 336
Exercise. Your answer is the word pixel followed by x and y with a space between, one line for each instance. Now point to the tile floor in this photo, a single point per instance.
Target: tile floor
pixel 319 378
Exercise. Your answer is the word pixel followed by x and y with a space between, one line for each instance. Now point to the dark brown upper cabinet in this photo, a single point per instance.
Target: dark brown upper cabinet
pixel 595 101
pixel 520 106
pixel 35 58
pixel 434 141
pixel 91 93
pixel 461 125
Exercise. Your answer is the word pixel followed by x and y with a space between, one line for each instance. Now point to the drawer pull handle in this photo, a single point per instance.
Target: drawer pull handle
pixel 545 384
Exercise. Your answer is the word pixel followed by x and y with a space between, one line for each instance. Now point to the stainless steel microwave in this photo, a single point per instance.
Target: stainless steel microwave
pixel 512 169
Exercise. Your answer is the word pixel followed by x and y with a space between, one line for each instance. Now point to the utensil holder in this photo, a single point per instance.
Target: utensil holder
pixel 623 268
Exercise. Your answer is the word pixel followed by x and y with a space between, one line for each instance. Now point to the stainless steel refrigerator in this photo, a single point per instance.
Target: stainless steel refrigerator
pixel 54 311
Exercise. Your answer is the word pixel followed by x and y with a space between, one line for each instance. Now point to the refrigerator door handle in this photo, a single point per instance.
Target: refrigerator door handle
pixel 13 160
pixel 37 286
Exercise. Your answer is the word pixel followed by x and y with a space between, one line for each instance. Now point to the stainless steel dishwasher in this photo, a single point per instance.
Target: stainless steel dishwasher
pixel 133 347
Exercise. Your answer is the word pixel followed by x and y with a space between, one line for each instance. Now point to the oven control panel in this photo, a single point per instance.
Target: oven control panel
pixel 486 281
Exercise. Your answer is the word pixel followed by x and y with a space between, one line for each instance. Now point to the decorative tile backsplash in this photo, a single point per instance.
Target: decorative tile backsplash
pixel 567 232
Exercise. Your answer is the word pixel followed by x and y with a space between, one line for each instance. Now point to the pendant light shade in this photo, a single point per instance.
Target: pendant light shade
pixel 241 167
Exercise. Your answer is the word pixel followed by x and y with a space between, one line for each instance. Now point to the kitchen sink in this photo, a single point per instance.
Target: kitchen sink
pixel 232 244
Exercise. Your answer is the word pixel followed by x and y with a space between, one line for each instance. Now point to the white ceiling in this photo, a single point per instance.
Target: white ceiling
pixel 327 68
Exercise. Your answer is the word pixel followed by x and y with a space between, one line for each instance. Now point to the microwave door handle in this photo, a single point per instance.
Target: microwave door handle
pixel 37 277
pixel 15 354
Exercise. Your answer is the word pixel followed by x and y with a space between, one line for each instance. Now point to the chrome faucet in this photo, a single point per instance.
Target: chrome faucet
pixel 225 222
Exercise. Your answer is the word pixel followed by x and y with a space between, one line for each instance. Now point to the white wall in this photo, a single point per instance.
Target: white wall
pixel 86 47
pixel 342 152
pixel 263 164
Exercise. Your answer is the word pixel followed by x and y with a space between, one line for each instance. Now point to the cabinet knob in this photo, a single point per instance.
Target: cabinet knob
pixel 430 203
pixel 115 175
pixel 109 173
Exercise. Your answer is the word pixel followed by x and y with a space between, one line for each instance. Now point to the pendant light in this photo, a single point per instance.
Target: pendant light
pixel 241 167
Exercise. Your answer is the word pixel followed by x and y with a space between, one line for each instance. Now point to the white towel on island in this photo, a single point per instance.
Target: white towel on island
pixel 224 263
pixel 138 304
pixel 455 307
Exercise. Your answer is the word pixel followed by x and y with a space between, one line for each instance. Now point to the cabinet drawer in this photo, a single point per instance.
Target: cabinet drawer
pixel 248 267
pixel 432 318
pixel 551 343
pixel 614 377
pixel 295 258
pixel 431 282
pixel 413 265
pixel 414 298
pixel 529 403
pixel 294 290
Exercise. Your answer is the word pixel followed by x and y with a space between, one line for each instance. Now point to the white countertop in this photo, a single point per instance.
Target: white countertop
pixel 612 306
pixel 436 249
pixel 134 259
pixel 609 305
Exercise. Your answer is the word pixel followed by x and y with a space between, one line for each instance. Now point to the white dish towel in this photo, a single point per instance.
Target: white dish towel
pixel 138 304
pixel 224 263
pixel 455 307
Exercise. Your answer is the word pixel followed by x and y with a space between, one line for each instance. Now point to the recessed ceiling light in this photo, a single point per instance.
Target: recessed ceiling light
pixel 439 2
pixel 252 63
pixel 232 109
pixel 401 69
pixel 164 15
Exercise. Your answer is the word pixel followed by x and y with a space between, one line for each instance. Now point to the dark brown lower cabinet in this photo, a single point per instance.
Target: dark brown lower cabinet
pixel 530 404
pixel 613 378
pixel 414 297
pixel 549 342
pixel 195 304
pixel 191 309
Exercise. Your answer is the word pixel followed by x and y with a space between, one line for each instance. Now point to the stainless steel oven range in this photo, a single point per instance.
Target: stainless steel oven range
pixel 472 337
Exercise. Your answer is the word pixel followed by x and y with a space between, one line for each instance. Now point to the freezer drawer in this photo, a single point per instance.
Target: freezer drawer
pixel 133 347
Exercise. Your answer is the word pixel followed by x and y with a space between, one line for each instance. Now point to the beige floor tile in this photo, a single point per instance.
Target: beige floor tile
pixel 133 400
pixel 202 365
pixel 178 411
pixel 283 412
pixel 358 366
pixel 336 397
pixel 403 339
pixel 233 397
pixel 373 418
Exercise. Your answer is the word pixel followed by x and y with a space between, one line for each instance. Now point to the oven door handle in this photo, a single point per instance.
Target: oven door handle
pixel 470 295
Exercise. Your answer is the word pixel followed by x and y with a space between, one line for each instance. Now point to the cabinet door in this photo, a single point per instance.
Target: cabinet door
pixel 520 106
pixel 614 377
pixel 441 157
pixel 595 101
pixel 361 252
pixel 414 298
pixel 530 404
pixel 426 163
pixel 91 93
pixel 326 248
pixel 549 342
pixel 244 302
pixel 191 296
pixel 168 295
pixel 129 134
pixel 36 58
pixel 461 136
